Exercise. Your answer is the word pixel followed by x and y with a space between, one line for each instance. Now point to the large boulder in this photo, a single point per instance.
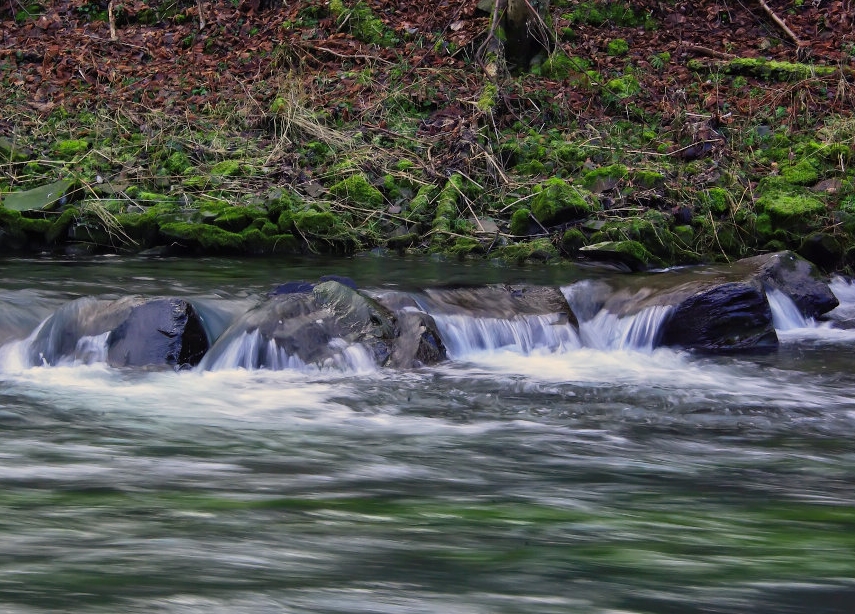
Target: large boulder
pixel 328 324
pixel 156 333
pixel 131 331
pixel 730 317
pixel 795 277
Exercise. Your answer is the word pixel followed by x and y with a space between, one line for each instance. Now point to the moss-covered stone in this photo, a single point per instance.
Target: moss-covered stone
pixel 358 191
pixel 556 201
pixel 464 246
pixel 801 173
pixel 647 179
pixel 446 211
pixel 59 227
pixel 202 236
pixel 619 89
pixel 316 223
pixel 594 179
pixel 520 222
pixel 631 253
pixel 259 242
pixel 540 250
pixel 717 200
pixel 573 240
pixel 230 168
pixel 791 211
pixel 70 148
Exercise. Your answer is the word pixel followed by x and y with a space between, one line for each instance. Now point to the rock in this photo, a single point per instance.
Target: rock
pixel 795 277
pixel 163 332
pixel 325 324
pixel 498 301
pixel 731 317
pixel 632 254
pixel 131 331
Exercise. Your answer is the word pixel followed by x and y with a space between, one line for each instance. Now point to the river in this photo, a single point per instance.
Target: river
pixel 607 478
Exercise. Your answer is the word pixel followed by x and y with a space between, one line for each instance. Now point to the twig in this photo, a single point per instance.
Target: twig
pixel 781 24
pixel 112 19
pixel 201 15
pixel 710 52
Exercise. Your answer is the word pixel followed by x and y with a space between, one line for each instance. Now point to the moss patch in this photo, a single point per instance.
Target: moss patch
pixel 70 148
pixel 556 201
pixel 358 191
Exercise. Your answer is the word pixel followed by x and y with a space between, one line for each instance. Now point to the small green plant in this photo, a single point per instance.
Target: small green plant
pixel 658 61
pixel 617 47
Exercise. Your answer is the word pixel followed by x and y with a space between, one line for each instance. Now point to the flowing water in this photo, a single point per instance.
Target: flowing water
pixel 538 470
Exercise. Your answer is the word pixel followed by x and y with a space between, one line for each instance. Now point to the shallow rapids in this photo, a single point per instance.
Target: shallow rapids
pixel 545 473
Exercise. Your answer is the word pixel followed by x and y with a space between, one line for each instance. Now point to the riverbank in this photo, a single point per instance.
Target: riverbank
pixel 647 138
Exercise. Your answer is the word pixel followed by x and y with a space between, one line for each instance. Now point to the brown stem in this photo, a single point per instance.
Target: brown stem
pixel 781 23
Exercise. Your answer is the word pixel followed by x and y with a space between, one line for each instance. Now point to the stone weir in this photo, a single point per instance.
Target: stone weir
pixel 333 324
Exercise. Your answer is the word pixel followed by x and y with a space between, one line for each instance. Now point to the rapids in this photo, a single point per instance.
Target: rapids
pixel 538 470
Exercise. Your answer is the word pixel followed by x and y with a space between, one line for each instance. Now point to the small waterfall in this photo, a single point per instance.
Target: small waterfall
pixel 601 329
pixel 465 334
pixel 606 331
pixel 251 350
pixel 785 313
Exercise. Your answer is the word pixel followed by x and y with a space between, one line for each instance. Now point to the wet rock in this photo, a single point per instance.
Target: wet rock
pixel 498 301
pixel 164 332
pixel 795 277
pixel 328 324
pixel 731 317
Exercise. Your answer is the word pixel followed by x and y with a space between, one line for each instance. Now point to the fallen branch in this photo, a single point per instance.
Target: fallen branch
pixel 781 24
pixel 709 52
pixel 112 19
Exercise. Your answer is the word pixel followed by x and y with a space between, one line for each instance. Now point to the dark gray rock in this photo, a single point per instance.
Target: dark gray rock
pixel 323 327
pixel 163 332
pixel 795 277
pixel 731 317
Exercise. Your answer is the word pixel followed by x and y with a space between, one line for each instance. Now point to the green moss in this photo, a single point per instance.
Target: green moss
pixel 487 100
pixel 362 23
pixel 70 148
pixel 421 206
pixel 259 242
pixel 316 223
pixel 556 201
pixel 631 253
pixel 648 179
pixel 791 211
pixel 464 246
pixel 358 191
pixel 801 173
pixel 177 163
pixel 560 66
pixel 196 182
pixel 613 171
pixel 142 228
pixel 618 89
pixel 520 222
pixel 573 240
pixel 59 228
pixel 774 70
pixel 595 13
pixel 235 219
pixel 617 47
pixel 230 168
pixel 208 238
pixel 446 211
pixel 538 249
pixel 716 200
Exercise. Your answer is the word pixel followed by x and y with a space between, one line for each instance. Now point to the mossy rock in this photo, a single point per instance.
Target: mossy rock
pixel 556 201
pixel 647 179
pixel 58 230
pixel 619 89
pixel 70 148
pixel 202 237
pixel 230 168
pixel 791 211
pixel 464 246
pixel 446 212
pixel 260 241
pixel 573 240
pixel 717 200
pixel 823 249
pixel 235 219
pixel 316 223
pixel 142 228
pixel 358 191
pixel 630 253
pixel 521 222
pixel 539 250
pixel 802 173
pixel 604 177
